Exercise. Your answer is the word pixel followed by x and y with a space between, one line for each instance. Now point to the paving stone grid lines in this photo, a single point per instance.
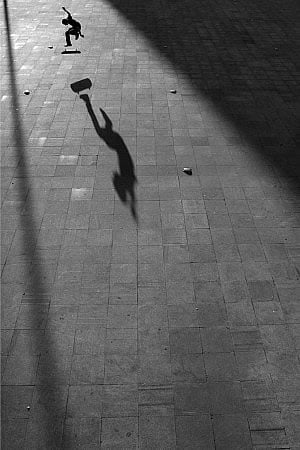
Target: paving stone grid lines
pixel 143 307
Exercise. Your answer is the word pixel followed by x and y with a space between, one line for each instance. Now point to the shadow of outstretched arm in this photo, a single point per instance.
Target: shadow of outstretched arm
pixel 96 124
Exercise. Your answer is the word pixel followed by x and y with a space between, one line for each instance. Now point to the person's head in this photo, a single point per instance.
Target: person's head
pixel 64 22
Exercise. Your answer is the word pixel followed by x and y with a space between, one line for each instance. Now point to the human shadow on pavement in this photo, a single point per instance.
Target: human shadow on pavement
pixel 242 59
pixel 124 181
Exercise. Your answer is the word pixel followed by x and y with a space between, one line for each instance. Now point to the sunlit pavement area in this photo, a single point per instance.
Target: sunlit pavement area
pixel 143 306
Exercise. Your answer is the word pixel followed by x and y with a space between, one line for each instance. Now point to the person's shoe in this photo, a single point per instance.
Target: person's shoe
pixel 68 45
pixel 76 37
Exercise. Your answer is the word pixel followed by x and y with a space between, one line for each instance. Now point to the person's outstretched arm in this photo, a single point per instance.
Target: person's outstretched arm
pixel 69 14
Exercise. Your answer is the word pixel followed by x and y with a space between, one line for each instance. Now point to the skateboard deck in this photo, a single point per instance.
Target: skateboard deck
pixel 67 52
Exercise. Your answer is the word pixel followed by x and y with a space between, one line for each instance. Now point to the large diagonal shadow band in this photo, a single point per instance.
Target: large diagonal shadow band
pixel 242 59
pixel 124 181
pixel 35 287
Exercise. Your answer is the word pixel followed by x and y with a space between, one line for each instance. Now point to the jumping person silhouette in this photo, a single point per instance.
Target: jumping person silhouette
pixel 75 28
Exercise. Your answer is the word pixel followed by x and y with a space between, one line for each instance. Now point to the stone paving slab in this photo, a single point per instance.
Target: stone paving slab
pixel 143 307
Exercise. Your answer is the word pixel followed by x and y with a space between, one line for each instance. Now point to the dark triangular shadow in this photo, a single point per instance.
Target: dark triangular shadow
pixel 242 60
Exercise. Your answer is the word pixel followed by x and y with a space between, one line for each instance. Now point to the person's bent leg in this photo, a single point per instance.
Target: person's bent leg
pixel 68 39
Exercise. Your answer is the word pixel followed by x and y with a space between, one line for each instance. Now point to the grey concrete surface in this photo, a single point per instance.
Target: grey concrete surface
pixel 143 307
